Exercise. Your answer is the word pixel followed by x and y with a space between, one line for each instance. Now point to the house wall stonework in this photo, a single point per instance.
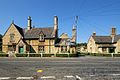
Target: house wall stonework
pixel 29 40
pixel 6 38
pixel 91 46
pixel 117 50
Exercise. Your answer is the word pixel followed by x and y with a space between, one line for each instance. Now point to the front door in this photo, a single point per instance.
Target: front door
pixel 21 49
pixel 112 50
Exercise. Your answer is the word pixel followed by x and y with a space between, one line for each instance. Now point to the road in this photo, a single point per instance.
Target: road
pixel 82 68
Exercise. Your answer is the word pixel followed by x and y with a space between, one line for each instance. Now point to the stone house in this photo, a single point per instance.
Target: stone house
pixel 104 44
pixel 0 42
pixel 81 47
pixel 37 40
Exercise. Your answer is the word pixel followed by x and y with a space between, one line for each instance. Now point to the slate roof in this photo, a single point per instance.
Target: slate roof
pixel 117 37
pixel 64 42
pixel 35 32
pixel 19 29
pixel 102 39
pixel 105 39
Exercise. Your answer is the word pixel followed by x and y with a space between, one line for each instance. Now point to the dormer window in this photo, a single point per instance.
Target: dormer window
pixel 12 37
pixel 41 36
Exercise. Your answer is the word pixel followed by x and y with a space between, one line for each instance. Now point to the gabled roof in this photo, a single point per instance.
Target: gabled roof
pixel 35 32
pixel 117 37
pixel 102 39
pixel 18 28
pixel 63 41
pixel 21 31
pixel 64 35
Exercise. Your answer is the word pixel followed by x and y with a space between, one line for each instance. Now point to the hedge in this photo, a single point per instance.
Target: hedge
pixel 47 55
pixel 21 55
pixel 80 54
pixel 73 55
pixel 116 55
pixel 3 55
pixel 61 55
pixel 35 55
pixel 102 54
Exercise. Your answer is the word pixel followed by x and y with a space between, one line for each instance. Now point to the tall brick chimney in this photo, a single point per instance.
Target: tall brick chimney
pixel 56 25
pixel 113 33
pixel 29 23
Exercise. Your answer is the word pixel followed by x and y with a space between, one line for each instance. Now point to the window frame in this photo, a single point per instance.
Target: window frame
pixel 41 37
pixel 41 49
pixel 12 37
pixel 63 49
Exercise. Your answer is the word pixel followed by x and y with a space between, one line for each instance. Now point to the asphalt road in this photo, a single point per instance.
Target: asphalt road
pixel 82 68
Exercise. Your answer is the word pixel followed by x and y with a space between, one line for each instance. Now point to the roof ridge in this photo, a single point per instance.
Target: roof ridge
pixel 102 36
pixel 41 27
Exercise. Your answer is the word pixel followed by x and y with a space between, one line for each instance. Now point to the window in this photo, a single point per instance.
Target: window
pixel 111 50
pixel 12 39
pixel 41 49
pixel 11 48
pixel 41 37
pixel 63 48
pixel 104 49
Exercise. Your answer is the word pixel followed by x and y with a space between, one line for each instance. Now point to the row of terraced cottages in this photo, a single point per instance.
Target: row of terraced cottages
pixel 38 39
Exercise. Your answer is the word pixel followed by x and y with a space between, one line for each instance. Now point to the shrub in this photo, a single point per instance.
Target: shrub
pixel 3 55
pixel 47 55
pixel 35 55
pixel 21 55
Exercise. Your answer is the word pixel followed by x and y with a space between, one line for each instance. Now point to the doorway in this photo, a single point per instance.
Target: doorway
pixel 21 49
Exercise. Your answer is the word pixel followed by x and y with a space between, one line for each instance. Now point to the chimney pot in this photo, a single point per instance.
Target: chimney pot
pixel 94 33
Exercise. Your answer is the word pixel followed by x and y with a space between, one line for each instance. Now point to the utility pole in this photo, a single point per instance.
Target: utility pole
pixel 76 21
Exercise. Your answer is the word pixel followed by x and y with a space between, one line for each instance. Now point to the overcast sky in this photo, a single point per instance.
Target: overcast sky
pixel 94 15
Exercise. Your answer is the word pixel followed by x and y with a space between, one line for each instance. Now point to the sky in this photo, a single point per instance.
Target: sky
pixel 93 15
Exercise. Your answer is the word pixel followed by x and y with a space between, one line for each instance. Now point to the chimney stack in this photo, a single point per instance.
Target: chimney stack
pixel 56 25
pixel 55 22
pixel 29 23
pixel 113 32
pixel 94 33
